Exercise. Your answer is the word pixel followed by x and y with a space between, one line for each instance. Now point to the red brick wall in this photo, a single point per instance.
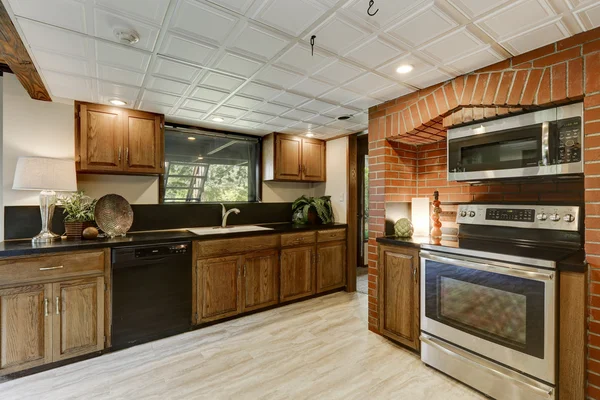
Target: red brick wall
pixel 407 149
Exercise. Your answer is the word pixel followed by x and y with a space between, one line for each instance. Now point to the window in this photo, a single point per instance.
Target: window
pixel 205 167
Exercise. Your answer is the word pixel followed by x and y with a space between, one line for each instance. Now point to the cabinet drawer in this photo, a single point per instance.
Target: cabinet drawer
pixel 295 239
pixel 238 245
pixel 331 235
pixel 51 267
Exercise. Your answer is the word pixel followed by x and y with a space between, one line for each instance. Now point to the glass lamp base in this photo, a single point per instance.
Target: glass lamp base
pixel 47 203
pixel 44 237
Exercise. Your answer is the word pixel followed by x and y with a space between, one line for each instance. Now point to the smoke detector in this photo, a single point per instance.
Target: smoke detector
pixel 127 36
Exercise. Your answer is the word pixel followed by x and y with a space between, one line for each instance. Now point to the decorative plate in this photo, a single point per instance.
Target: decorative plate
pixel 113 215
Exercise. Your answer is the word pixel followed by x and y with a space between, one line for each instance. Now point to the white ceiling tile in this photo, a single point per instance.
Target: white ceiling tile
pixel 290 99
pixel 419 67
pixel 368 83
pixel 305 126
pixel 278 77
pixel 190 114
pixel 244 102
pixel 259 91
pixel 153 107
pixel 590 14
pixel 362 118
pixel 337 34
pixel 422 26
pixel 259 117
pixel 299 58
pixel 292 17
pixel 150 10
pixel 320 120
pixel 298 115
pixel 477 60
pixel 341 124
pixel 186 49
pixel 259 41
pixel 239 6
pixel 66 64
pixel 515 17
pixel 167 85
pixel 239 65
pixel 292 131
pixel 247 124
pixel 161 98
pixel 122 92
pixel 340 95
pixel 537 37
pixel 339 72
pixel 68 86
pixel 226 120
pixel 230 111
pixel 106 23
pixel 282 121
pixel 475 8
pixel 312 87
pixel 429 78
pixel 220 81
pixel 54 39
pixel 391 92
pixel 363 103
pixel 453 46
pixel 374 52
pixel 197 105
pixel 67 14
pixel 175 70
pixel 274 109
pixel 326 130
pixel 119 75
pixel 317 106
pixel 202 21
pixel 340 111
pixel 389 10
pixel 268 128
pixel 121 56
pixel 203 93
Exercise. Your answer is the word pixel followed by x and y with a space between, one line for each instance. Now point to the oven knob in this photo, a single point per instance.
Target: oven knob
pixel 542 216
pixel 554 217
pixel 569 218
pixel 471 214
pixel 463 214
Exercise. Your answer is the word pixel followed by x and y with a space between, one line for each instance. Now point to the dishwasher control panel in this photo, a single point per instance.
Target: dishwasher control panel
pixel 162 250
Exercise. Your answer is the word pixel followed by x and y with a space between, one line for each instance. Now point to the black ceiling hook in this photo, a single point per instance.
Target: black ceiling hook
pixel 312 45
pixel 371 2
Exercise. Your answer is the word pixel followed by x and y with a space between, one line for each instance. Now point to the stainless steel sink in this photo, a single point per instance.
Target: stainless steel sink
pixel 229 229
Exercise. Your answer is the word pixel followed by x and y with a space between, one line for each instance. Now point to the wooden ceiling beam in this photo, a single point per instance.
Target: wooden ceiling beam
pixel 15 55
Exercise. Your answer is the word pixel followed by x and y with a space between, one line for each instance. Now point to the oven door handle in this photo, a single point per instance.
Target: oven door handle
pixel 545 142
pixel 462 262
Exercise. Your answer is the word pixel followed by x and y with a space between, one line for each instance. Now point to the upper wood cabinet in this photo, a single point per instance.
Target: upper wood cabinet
pixel 117 140
pixel 398 281
pixel 293 158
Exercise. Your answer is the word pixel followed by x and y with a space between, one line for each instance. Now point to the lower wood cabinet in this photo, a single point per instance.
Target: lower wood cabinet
pixel 260 280
pixel 297 273
pixel 331 266
pixel 219 285
pixel 398 284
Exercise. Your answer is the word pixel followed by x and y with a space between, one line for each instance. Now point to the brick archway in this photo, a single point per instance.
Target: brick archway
pixel 407 142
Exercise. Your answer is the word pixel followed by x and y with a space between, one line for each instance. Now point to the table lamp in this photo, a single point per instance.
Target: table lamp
pixel 48 175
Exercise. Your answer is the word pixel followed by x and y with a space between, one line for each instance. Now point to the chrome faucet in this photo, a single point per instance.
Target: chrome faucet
pixel 225 214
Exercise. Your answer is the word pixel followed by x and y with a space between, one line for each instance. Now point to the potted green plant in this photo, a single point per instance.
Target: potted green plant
pixel 78 212
pixel 312 210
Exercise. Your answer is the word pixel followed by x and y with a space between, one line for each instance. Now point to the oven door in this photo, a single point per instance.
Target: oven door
pixel 501 311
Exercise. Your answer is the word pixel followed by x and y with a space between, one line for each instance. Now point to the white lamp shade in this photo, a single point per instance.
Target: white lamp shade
pixel 420 216
pixel 41 173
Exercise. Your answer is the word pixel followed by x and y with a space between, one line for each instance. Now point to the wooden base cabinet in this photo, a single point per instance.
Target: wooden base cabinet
pixel 398 297
pixel 219 282
pixel 331 266
pixel 297 273
pixel 261 280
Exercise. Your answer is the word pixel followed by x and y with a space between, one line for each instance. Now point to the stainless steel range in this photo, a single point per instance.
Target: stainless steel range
pixel 489 301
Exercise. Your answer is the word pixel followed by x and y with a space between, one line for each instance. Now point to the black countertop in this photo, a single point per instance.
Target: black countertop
pixel 14 248
pixel 566 260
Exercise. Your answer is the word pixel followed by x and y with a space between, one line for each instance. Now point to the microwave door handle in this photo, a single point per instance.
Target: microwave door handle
pixel 545 142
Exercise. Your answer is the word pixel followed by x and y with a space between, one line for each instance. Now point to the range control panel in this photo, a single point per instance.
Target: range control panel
pixel 520 216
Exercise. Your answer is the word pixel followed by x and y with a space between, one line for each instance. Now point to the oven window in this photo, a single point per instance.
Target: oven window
pixel 503 309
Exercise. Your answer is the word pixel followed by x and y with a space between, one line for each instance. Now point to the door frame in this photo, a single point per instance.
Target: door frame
pixel 352 212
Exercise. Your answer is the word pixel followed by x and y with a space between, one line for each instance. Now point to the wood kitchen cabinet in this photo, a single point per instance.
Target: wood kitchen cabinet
pixel 331 266
pixel 297 273
pixel 219 282
pixel 293 158
pixel 117 140
pixel 398 284
pixel 260 280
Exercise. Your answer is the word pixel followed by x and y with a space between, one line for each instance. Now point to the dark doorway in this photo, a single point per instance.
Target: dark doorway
pixel 363 212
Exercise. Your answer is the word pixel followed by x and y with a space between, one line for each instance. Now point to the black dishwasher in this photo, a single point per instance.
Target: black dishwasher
pixel 152 292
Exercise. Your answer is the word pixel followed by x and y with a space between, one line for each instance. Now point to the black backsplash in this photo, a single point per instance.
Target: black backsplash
pixel 22 222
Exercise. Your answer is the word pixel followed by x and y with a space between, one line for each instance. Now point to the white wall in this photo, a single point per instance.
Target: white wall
pixel 337 178
pixel 275 192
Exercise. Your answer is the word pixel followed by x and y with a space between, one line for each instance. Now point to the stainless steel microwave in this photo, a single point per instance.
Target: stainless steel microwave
pixel 542 143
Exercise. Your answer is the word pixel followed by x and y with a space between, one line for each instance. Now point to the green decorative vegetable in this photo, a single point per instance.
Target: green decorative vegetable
pixel 403 228
pixel 321 205
pixel 78 207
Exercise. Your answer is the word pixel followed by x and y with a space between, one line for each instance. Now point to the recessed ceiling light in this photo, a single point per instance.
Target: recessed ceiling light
pixel 117 102
pixel 404 69
pixel 127 36
pixel 200 158
pixel 217 119
pixel 191 138
pixel 344 117
pixel 310 134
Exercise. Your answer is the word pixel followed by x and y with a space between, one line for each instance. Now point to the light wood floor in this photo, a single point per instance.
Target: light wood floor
pixel 318 349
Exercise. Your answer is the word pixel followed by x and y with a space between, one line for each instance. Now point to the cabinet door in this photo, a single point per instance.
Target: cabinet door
pixel 331 266
pixel 219 288
pixel 78 308
pixel 261 280
pixel 143 142
pixel 399 295
pixel 100 138
pixel 313 160
pixel 288 154
pixel 297 273
pixel 25 327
